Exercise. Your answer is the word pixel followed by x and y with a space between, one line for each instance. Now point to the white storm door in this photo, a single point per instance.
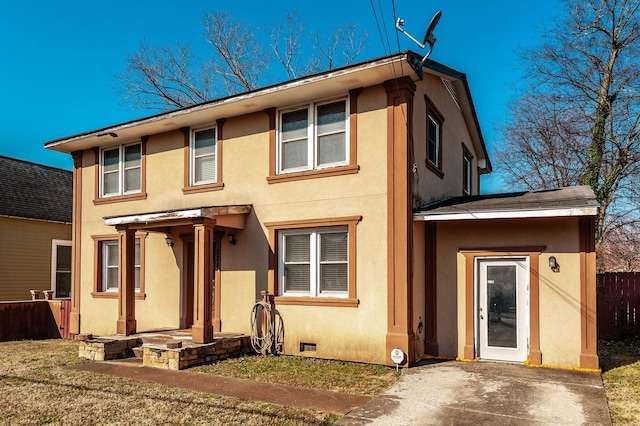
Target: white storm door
pixel 503 309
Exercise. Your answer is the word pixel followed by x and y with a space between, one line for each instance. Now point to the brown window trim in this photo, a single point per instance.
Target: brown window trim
pixel 142 195
pixel 351 168
pixel 275 227
pixel 97 292
pixel 466 154
pixel 188 188
pixel 433 111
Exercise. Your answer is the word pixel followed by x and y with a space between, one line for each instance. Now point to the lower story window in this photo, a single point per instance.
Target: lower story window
pixel 107 279
pixel 61 268
pixel 314 262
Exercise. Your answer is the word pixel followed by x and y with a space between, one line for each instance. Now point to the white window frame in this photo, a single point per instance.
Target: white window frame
pixel 121 171
pixel 466 169
pixel 435 121
pixel 312 137
pixel 192 157
pixel 54 265
pixel 106 266
pixel 314 262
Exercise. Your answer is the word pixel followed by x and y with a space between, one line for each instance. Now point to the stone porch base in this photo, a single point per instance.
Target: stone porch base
pixel 168 350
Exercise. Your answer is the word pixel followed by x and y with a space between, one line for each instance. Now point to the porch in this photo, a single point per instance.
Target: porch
pixel 169 349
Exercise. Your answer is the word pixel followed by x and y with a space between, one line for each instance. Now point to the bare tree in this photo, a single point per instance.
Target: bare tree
pixel 164 78
pixel 340 47
pixel 287 44
pixel 173 77
pixel 578 121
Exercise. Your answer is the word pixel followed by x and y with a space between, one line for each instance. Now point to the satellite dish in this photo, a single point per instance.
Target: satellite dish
pixel 429 38
pixel 428 35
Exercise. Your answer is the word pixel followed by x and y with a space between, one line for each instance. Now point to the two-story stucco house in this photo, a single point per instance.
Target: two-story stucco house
pixel 323 191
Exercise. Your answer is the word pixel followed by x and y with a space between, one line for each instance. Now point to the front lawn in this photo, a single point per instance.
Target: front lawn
pixel 38 388
pixel 620 363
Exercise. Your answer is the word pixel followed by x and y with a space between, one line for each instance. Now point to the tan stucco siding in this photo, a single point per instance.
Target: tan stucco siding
pixel 559 291
pixel 25 255
pixel 428 185
pixel 244 266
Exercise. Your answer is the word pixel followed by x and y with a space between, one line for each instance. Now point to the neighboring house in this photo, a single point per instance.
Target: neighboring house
pixel 35 229
pixel 313 190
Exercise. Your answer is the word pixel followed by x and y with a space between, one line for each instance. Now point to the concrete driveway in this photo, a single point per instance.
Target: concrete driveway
pixel 484 393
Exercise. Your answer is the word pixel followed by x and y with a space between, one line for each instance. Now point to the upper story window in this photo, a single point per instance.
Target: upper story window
pixel 434 138
pixel 203 152
pixel 314 137
pixel 121 170
pixel 467 159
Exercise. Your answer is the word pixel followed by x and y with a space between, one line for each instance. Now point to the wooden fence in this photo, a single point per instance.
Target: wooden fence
pixel 618 295
pixel 35 319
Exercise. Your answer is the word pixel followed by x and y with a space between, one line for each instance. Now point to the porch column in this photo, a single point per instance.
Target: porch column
pixel 74 318
pixel 400 94
pixel 202 280
pixel 126 281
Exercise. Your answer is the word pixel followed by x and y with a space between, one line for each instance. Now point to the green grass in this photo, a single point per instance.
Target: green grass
pixel 339 376
pixel 38 388
pixel 620 363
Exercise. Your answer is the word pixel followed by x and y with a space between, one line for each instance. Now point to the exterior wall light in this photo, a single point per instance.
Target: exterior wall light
pixel 553 264
pixel 169 241
pixel 232 239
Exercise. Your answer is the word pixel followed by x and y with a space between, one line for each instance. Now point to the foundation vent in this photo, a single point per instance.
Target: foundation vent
pixel 307 347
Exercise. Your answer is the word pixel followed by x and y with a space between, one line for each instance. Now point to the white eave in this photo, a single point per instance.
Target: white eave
pixel 175 215
pixel 506 214
pixel 331 83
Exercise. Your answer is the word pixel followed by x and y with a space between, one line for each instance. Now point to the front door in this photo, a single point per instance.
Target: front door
pixel 503 309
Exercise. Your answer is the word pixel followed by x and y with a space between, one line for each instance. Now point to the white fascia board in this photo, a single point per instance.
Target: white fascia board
pixel 507 214
pixel 152 217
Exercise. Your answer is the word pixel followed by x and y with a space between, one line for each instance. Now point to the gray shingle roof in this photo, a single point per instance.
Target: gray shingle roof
pixel 570 197
pixel 35 191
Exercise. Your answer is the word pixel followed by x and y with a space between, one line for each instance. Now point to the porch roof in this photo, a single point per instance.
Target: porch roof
pixel 225 216
pixel 570 201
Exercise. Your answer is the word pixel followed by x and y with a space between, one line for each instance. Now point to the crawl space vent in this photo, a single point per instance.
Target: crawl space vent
pixel 307 347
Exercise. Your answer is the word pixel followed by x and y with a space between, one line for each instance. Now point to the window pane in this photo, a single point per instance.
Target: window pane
pixel 434 142
pixel 137 278
pixel 334 277
pixel 63 284
pixel 132 156
pixel 294 154
pixel 332 117
pixel 204 142
pixel 63 258
pixel 111 183
pixel 205 168
pixel 132 180
pixel 333 247
pixel 294 124
pixel 297 248
pixel 110 159
pixel 111 254
pixel 297 278
pixel 331 149
pixel 111 278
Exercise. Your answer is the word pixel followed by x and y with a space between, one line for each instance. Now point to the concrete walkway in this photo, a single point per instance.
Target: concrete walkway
pixel 483 393
pixel 445 393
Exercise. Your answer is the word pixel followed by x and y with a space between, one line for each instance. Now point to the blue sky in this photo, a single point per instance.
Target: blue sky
pixel 57 59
